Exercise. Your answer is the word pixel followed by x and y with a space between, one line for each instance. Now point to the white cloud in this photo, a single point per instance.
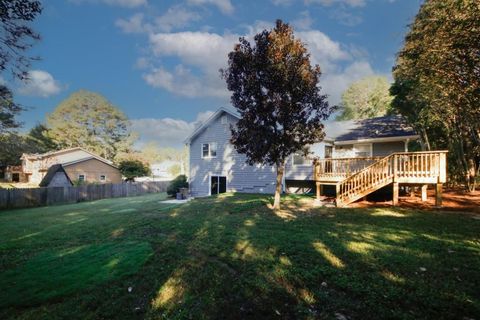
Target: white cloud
pixel 176 17
pixel 284 3
pixel 120 3
pixel 324 51
pixel 200 55
pixel 223 5
pixel 39 83
pixel 167 132
pixel 328 3
pixel 346 18
pixel 183 82
pixel 134 24
pixel 202 49
pixel 303 22
pixel 334 83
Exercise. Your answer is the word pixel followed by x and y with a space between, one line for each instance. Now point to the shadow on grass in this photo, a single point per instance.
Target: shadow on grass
pixel 247 262
pixel 229 256
pixel 56 273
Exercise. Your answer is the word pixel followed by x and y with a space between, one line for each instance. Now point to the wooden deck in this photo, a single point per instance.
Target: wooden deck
pixel 355 178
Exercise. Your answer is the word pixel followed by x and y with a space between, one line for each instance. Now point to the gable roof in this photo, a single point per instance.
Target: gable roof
pixel 63 151
pixel 394 126
pixel 65 164
pixel 52 171
pixel 380 128
pixel 206 123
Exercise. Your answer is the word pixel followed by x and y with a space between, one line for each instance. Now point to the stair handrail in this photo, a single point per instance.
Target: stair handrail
pixel 382 163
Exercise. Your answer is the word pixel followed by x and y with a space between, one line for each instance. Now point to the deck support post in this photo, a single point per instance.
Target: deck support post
pixel 438 194
pixel 412 191
pixel 395 194
pixel 424 192
pixel 318 186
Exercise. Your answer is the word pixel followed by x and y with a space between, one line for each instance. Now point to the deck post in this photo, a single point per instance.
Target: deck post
pixel 337 190
pixel 318 185
pixel 438 194
pixel 424 192
pixel 395 194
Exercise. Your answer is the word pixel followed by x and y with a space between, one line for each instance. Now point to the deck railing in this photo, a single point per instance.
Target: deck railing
pixel 339 169
pixel 403 167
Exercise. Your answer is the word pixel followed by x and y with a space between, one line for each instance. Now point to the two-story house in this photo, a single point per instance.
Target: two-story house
pixel 78 164
pixel 215 166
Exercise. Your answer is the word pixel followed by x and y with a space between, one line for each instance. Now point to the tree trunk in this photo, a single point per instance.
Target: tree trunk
pixel 424 141
pixel 471 175
pixel 278 187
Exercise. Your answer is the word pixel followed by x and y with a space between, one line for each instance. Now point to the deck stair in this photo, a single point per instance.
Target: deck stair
pixel 398 168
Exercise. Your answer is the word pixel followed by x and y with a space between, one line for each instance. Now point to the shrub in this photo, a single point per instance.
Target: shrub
pixel 177 183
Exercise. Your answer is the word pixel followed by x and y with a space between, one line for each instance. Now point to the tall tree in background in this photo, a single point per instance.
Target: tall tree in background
pixel 8 111
pixel 88 120
pixel 38 137
pixel 132 169
pixel 437 81
pixel 16 38
pixel 275 90
pixel 366 98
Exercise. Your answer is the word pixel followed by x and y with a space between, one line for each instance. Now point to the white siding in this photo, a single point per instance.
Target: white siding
pixel 304 171
pixel 240 176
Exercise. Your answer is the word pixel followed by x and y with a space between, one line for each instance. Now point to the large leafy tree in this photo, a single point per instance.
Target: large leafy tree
pixel 16 37
pixel 437 81
pixel 276 91
pixel 366 98
pixel 86 119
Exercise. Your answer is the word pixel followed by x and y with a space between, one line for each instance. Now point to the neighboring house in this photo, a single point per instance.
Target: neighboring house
pixel 215 166
pixel 78 164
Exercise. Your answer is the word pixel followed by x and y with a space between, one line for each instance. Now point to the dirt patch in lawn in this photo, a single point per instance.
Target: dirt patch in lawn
pixel 453 200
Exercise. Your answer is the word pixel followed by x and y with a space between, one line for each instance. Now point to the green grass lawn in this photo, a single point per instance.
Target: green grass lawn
pixel 232 257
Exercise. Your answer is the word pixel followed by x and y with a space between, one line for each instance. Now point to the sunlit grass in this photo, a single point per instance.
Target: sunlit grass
pixel 328 255
pixel 232 257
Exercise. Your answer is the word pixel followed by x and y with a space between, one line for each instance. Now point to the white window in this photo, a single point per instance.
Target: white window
pixel 103 178
pixel 223 120
pixel 300 160
pixel 81 177
pixel 363 150
pixel 209 150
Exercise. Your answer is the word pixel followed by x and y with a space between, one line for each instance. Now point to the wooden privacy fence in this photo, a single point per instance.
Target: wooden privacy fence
pixel 36 197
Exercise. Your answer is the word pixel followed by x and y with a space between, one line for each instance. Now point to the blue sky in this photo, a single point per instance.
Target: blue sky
pixel 158 61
